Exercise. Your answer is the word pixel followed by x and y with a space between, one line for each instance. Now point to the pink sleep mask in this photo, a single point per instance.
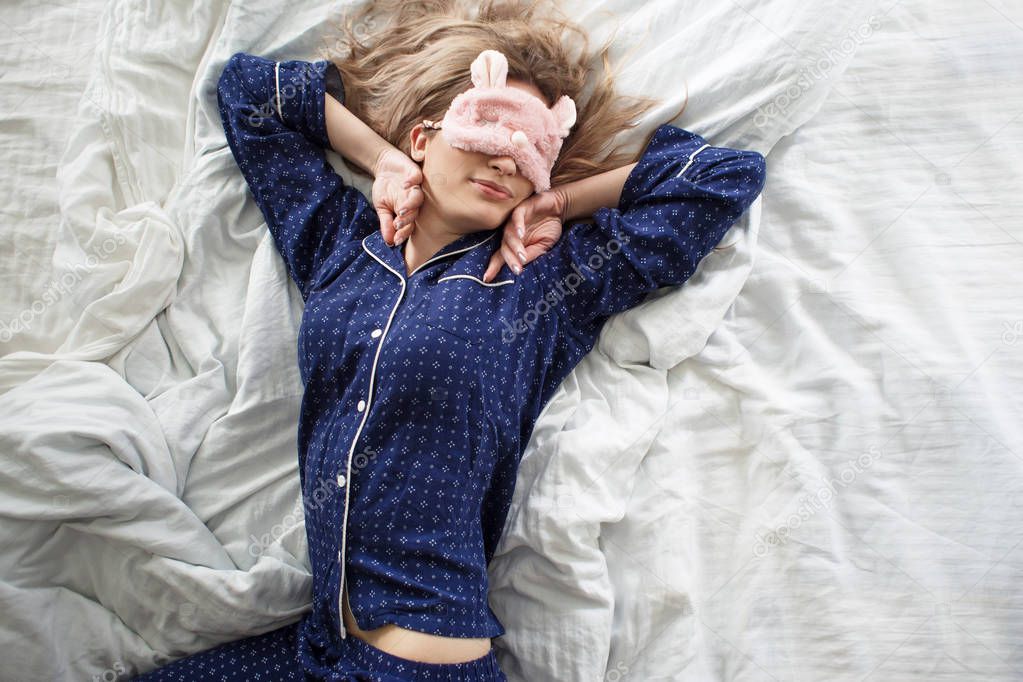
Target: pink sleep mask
pixel 496 119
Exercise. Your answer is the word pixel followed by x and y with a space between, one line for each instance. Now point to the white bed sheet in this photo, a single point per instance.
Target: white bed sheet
pixel 148 486
pixel 835 489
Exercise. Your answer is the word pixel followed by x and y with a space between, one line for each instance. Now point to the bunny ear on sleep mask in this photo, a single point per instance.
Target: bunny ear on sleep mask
pixel 496 119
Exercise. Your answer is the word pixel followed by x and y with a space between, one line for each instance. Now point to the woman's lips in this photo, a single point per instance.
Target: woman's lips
pixel 490 191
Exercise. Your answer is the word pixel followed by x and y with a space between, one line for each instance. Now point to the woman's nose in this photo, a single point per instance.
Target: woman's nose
pixel 504 164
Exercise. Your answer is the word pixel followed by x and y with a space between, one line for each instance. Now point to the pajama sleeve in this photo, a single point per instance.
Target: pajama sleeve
pixel 679 200
pixel 275 124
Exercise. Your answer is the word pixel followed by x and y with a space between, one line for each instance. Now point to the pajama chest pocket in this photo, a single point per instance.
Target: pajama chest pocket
pixel 457 361
pixel 466 330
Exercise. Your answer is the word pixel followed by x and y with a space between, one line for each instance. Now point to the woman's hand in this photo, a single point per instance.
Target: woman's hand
pixel 533 227
pixel 397 194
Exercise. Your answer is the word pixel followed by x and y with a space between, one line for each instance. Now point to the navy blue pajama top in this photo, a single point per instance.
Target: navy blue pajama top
pixel 421 391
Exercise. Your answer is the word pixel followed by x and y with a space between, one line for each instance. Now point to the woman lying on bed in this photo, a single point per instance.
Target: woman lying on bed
pixel 442 314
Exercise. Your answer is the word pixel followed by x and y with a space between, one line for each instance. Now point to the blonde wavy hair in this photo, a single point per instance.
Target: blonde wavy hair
pixel 399 71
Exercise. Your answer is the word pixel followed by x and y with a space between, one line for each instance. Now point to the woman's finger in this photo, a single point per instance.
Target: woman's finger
pixel 414 177
pixel 401 229
pixel 519 218
pixel 407 216
pixel 494 266
pixel 407 230
pixel 410 203
pixel 534 251
pixel 412 194
pixel 416 198
pixel 386 225
pixel 515 247
pixel 511 258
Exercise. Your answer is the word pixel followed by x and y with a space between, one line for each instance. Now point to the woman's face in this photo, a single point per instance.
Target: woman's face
pixel 451 176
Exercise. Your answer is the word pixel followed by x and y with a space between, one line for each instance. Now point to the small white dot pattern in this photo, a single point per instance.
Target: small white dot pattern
pixel 422 390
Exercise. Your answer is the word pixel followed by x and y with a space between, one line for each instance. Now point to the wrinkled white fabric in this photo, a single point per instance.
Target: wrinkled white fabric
pixel 149 390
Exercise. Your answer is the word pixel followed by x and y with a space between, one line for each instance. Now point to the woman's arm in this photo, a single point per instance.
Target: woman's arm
pixel 395 175
pixel 274 121
pixel 675 205
pixel 352 138
pixel 584 197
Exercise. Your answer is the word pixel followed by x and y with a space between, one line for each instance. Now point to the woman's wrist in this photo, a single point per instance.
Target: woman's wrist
pixel 582 198
pixel 352 138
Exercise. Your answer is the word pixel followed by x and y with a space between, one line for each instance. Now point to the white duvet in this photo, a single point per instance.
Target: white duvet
pixel 805 464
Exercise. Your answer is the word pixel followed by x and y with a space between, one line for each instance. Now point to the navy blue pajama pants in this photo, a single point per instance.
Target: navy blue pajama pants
pixel 272 657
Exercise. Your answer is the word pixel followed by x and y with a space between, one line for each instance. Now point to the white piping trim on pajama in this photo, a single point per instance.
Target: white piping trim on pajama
pixel 365 415
pixel 690 162
pixel 343 580
pixel 477 279
pixel 445 255
pixel 277 83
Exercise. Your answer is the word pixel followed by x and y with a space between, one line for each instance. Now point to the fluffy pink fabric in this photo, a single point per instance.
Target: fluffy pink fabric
pixel 495 119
